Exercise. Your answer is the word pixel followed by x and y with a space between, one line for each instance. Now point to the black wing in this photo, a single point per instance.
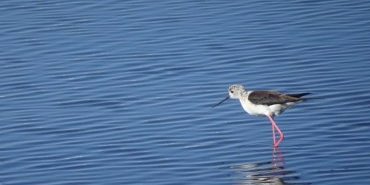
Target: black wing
pixel 270 98
pixel 298 95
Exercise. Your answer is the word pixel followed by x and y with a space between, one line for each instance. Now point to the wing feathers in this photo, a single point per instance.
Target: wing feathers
pixel 272 97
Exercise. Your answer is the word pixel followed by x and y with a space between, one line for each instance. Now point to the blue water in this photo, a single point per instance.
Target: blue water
pixel 121 92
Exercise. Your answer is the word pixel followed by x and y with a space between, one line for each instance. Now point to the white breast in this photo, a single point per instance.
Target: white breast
pixel 261 110
pixel 252 109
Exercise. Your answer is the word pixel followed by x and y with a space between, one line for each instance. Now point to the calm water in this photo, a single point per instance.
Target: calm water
pixel 120 92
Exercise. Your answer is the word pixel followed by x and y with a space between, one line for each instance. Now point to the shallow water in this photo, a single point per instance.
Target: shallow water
pixel 122 92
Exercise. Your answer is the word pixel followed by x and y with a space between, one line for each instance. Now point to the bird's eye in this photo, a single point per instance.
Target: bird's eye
pixel 231 91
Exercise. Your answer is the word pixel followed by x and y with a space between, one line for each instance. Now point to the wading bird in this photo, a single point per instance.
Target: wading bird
pixel 264 103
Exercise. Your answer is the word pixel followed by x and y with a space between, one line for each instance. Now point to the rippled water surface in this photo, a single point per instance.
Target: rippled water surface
pixel 121 92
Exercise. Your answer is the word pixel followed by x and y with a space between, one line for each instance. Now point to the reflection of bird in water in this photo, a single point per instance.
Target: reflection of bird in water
pixel 268 173
pixel 260 174
pixel 264 103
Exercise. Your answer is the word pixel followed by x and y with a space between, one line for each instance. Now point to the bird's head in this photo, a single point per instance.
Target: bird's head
pixel 236 91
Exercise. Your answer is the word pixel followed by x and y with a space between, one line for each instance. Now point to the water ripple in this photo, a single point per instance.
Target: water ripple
pixel 122 92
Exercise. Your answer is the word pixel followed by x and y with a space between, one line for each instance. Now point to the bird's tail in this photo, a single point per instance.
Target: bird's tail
pixel 298 95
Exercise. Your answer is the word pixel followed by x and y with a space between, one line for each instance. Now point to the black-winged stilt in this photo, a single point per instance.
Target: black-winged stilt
pixel 264 103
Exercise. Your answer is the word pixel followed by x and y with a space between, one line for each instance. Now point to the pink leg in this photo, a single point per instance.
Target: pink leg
pixel 273 134
pixel 278 129
pixel 277 158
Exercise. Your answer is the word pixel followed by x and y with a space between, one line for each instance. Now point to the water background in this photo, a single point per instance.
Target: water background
pixel 120 92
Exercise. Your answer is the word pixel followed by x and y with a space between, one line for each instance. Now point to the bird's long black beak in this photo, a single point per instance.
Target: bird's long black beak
pixel 221 102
